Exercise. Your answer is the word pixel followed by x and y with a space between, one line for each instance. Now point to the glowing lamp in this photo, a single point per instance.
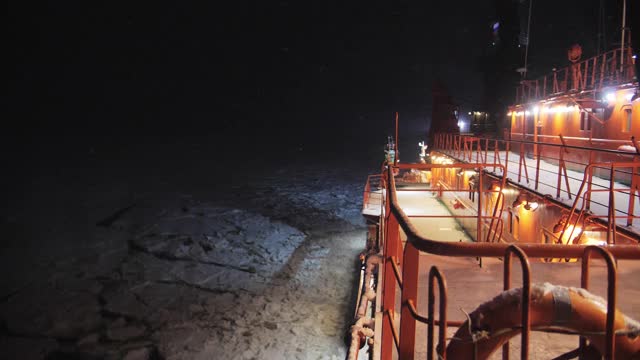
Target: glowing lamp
pixel 610 97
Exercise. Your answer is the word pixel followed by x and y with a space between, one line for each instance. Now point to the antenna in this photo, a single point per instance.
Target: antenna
pixel 526 48
pixel 602 29
pixel 624 26
pixel 396 159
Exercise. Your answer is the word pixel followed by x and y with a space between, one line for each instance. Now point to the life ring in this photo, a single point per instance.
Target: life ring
pixel 574 53
pixel 552 307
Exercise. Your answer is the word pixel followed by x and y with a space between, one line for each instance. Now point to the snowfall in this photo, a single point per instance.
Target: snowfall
pixel 174 252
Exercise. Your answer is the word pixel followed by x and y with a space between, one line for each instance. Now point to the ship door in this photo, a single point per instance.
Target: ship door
pixel 528 126
pixel 529 130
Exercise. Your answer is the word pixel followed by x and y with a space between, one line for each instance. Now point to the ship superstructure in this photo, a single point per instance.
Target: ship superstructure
pixel 561 188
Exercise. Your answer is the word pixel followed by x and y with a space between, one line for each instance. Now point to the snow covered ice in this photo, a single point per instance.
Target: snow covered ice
pixel 258 268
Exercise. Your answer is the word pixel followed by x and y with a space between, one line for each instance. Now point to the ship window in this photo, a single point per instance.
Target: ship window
pixel 585 121
pixel 626 121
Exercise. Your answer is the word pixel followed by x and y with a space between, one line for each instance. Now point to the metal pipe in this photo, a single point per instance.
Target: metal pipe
pixel 624 25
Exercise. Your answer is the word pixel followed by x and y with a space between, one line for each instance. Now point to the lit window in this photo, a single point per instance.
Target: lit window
pixel 626 121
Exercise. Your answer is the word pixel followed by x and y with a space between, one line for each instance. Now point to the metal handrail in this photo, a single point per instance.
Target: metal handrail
pixel 629 169
pixel 485 249
pixel 591 74
pixel 396 219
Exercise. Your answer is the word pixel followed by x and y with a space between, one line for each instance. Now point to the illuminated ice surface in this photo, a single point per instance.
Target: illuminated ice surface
pixel 184 265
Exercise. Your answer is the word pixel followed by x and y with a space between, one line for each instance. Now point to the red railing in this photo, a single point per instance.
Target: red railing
pixel 547 160
pixel 372 191
pixel 592 74
pixel 401 269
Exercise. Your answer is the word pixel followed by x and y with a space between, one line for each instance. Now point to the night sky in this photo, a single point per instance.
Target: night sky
pixel 271 72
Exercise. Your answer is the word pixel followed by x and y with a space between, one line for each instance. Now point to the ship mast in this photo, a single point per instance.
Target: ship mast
pixel 526 48
pixel 624 25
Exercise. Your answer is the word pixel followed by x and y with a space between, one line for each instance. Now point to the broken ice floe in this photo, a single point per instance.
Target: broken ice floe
pixel 216 247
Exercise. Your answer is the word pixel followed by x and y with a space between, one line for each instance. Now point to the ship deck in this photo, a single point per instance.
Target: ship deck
pixel 470 284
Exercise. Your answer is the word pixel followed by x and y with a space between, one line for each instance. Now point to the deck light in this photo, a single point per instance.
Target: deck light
pixel 535 109
pixel 610 97
pixel 532 206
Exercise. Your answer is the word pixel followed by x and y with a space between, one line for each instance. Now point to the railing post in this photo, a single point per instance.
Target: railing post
pixel 391 240
pixel 611 217
pixel 611 294
pixel 409 293
pixel 587 195
pixel 526 297
pixel 634 185
pixel 496 154
pixel 434 274
pixel 389 286
pixel 486 149
pixel 583 83
pixel 593 72
pixel 481 193
pixel 507 138
pixel 561 168
pixel 538 152
pixel 602 66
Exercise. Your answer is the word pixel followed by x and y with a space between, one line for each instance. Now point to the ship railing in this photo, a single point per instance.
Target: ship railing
pixel 592 74
pixel 373 195
pixel 590 178
pixel 372 186
pixel 401 270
